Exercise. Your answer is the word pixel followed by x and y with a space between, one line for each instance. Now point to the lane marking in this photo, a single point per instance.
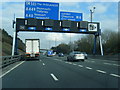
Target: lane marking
pixel 80 65
pixel 66 62
pixel 112 64
pixel 115 75
pixel 100 71
pixel 116 65
pixel 56 59
pixel 107 63
pixel 43 64
pixel 103 60
pixel 12 69
pixel 87 61
pixel 88 67
pixel 74 64
pixel 54 77
pixel 40 60
pixel 70 63
pixel 92 61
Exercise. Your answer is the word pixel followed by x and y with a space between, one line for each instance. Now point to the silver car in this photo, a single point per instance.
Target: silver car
pixel 76 56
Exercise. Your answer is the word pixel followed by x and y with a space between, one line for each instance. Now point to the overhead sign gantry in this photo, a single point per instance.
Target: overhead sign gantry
pixel 43 17
pixel 50 25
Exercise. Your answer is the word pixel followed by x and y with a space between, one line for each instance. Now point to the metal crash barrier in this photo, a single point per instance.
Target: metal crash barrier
pixel 7 60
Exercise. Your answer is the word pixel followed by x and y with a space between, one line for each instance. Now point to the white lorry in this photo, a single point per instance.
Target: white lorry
pixel 32 48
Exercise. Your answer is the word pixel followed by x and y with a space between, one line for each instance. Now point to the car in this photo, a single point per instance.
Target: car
pixel 76 56
pixel 61 55
pixel 86 56
pixel 49 53
pixel 54 53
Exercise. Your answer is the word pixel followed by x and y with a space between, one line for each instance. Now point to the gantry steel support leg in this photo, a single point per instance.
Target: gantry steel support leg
pixel 15 45
pixel 101 48
pixel 94 48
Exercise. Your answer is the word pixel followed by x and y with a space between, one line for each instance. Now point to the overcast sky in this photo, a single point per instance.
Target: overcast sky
pixel 106 13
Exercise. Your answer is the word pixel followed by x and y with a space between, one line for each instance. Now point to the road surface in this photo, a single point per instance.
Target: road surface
pixel 56 72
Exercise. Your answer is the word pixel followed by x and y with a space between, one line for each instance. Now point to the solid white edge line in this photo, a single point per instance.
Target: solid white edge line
pixel 54 77
pixel 115 75
pixel 88 67
pixel 12 69
pixel 101 71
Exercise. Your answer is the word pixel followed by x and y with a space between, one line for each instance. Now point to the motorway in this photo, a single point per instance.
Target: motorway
pixel 56 72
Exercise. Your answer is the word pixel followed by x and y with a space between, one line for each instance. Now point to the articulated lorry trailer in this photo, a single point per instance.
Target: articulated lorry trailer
pixel 32 49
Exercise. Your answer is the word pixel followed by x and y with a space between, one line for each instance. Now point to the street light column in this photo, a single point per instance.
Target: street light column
pixel 91 13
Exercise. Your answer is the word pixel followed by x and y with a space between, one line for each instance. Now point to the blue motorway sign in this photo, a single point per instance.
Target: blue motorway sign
pixel 73 16
pixel 41 10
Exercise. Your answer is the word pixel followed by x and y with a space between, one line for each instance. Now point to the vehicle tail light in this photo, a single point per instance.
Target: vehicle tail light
pixel 27 54
pixel 82 54
pixel 37 54
pixel 75 55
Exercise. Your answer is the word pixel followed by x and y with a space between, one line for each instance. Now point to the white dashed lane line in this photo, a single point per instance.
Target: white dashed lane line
pixel 66 62
pixel 102 60
pixel 116 65
pixel 111 64
pixel 56 59
pixel 74 64
pixel 101 71
pixel 104 63
pixel 107 63
pixel 80 65
pixel 89 68
pixel 43 64
pixel 115 75
pixel 54 77
pixel 70 63
pixel 92 61
pixel 89 61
